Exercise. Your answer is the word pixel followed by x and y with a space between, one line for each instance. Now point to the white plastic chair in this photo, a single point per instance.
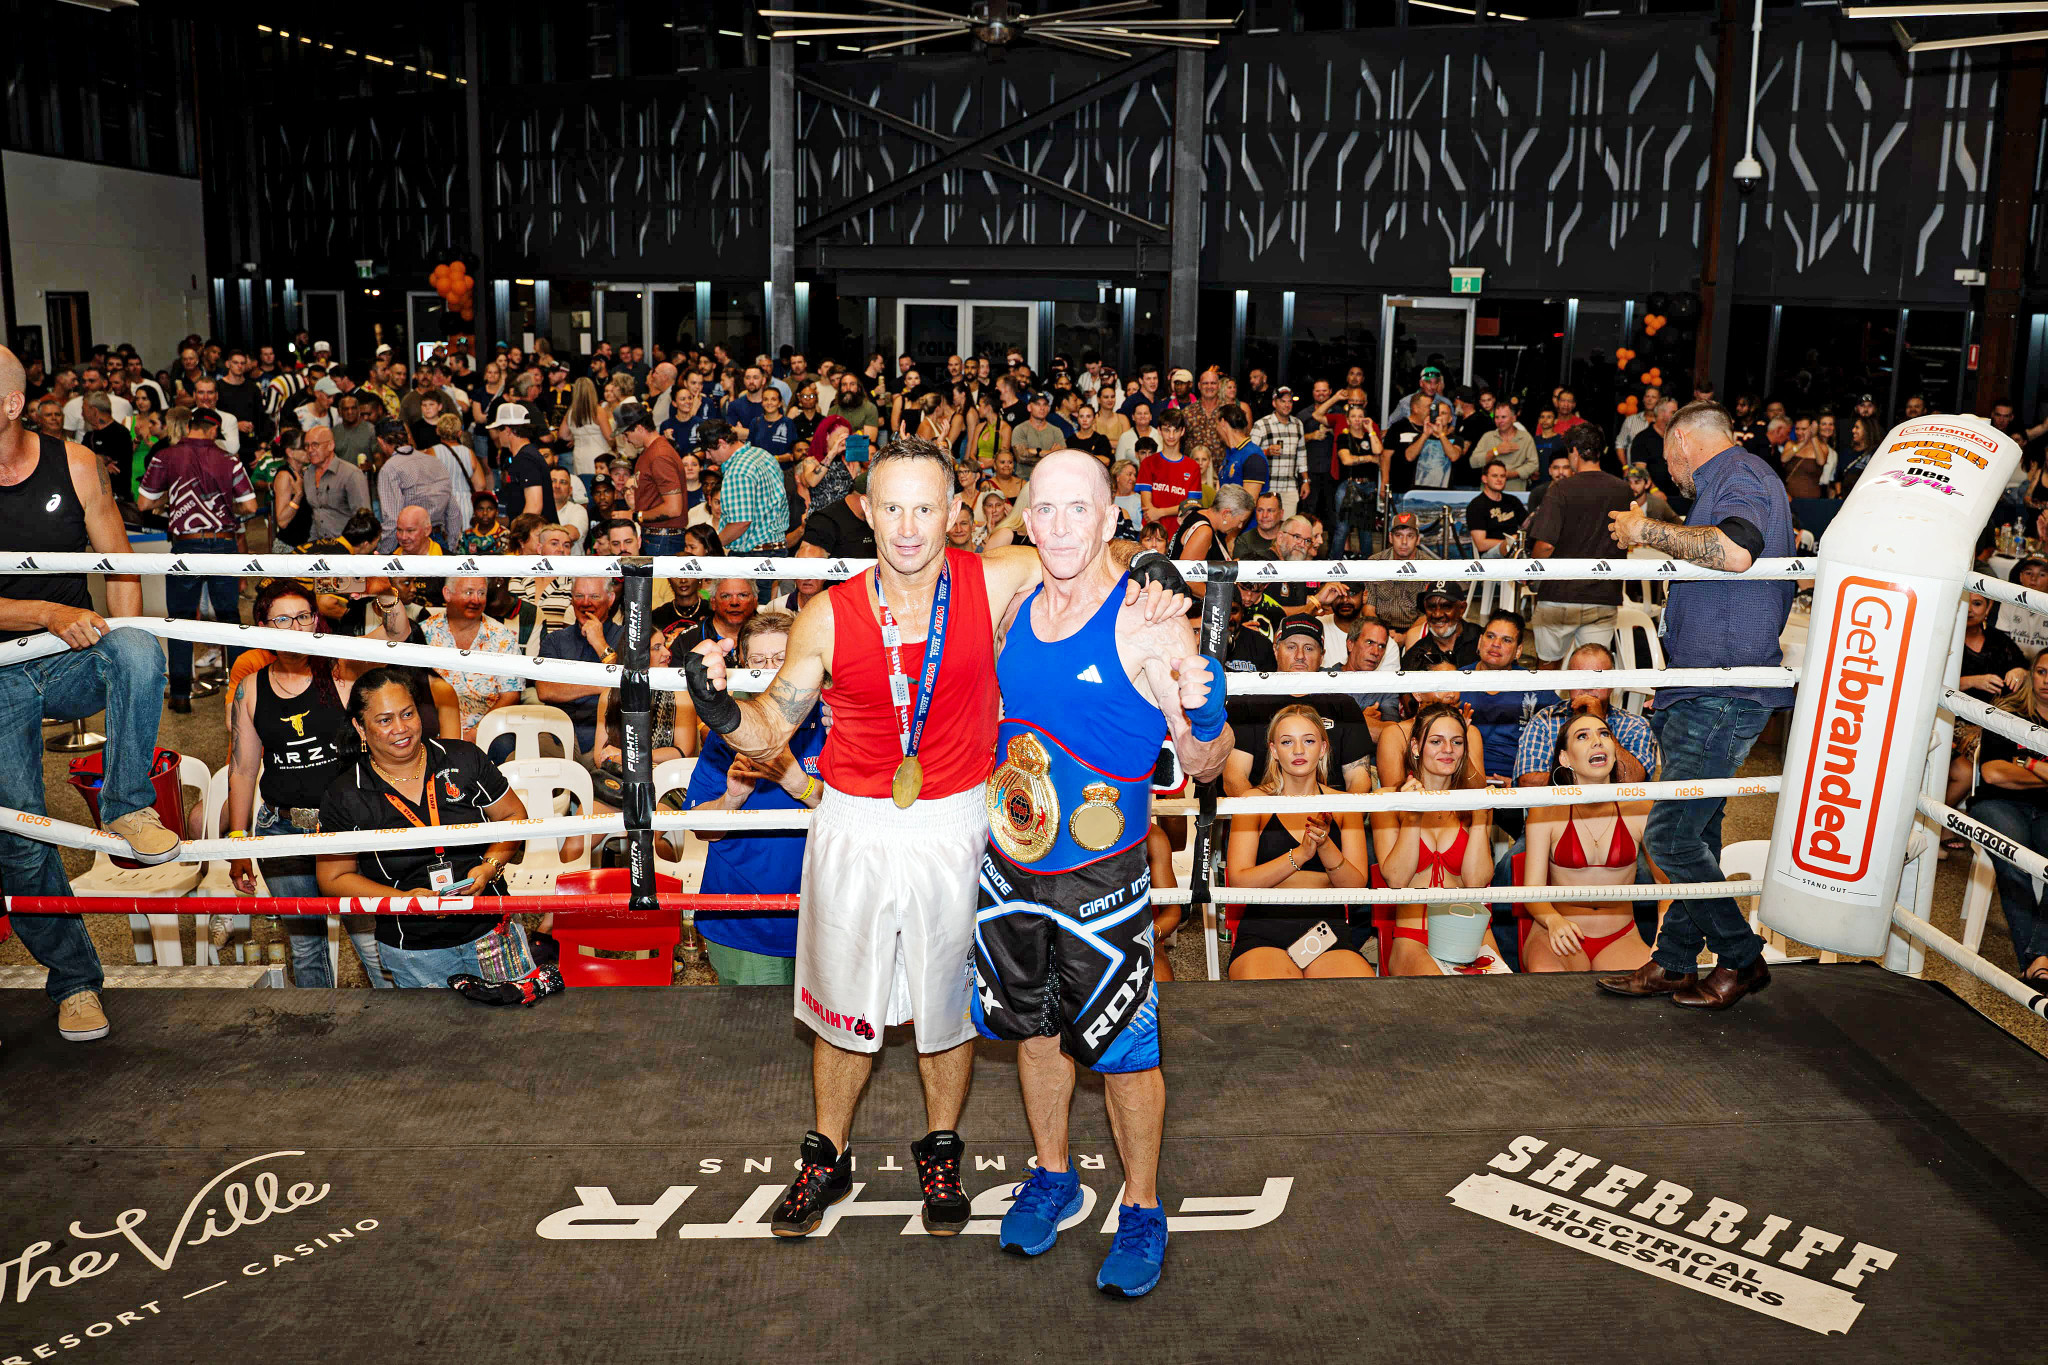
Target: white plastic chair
pixel 162 944
pixel 1750 859
pixel 539 781
pixel 526 725
pixel 215 883
pixel 1628 620
pixel 673 775
pixel 1645 593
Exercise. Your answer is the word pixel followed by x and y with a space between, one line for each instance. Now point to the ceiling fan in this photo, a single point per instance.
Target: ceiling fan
pixel 1907 42
pixel 1099 30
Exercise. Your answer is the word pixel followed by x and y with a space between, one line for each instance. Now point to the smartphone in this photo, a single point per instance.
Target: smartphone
pixel 857 448
pixel 1312 945
pixel 455 888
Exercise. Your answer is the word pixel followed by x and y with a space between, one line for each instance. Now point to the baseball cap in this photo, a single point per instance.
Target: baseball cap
pixel 1432 372
pixel 322 348
pixel 1635 471
pixel 1865 398
pixel 384 348
pixel 1467 394
pixel 204 417
pixel 1283 392
pixel 1439 592
pixel 510 415
pixel 392 429
pixel 1299 628
pixel 1404 521
pixel 1182 377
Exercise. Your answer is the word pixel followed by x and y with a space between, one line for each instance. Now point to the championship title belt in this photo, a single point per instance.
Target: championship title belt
pixel 1027 818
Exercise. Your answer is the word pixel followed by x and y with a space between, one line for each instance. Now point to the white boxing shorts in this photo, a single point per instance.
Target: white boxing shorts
pixel 885 928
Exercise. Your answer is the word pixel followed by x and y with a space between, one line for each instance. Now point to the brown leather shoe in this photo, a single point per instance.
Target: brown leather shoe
pixel 1724 986
pixel 1648 979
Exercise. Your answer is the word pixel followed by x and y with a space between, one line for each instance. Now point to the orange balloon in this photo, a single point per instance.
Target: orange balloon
pixel 457 269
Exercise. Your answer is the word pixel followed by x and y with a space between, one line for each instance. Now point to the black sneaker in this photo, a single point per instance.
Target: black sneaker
pixel 824 1177
pixel 938 1171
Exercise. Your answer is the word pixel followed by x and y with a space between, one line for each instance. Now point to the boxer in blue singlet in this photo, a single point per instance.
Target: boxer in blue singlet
pixel 1063 929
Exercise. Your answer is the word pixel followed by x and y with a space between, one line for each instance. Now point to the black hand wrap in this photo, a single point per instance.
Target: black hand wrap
pixel 1150 566
pixel 715 708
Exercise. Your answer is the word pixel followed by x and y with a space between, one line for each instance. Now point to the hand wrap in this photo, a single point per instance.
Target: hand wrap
pixel 1150 566
pixel 1206 721
pixel 715 708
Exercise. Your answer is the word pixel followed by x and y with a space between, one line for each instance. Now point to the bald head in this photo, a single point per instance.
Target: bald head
pixel 13 378
pixel 1080 465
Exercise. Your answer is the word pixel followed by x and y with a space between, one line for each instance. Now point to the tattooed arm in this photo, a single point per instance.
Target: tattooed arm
pixel 1707 546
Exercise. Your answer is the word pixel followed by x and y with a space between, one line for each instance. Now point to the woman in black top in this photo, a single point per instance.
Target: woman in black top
pixel 2013 799
pixel 1992 663
pixel 1296 851
pixel 400 779
pixel 1209 534
pixel 288 727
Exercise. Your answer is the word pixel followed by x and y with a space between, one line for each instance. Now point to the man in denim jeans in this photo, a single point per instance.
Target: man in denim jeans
pixel 54 498
pixel 1741 515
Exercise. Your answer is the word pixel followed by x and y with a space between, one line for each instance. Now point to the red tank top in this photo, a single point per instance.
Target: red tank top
pixel 958 750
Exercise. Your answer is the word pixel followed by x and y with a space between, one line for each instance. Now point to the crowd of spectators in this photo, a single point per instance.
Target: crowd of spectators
pixel 697 451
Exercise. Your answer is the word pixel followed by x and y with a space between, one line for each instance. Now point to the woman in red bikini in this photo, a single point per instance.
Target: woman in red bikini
pixel 1584 845
pixel 1428 848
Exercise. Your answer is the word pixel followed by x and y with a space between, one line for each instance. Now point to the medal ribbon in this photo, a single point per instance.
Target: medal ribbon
pixel 433 808
pixel 909 726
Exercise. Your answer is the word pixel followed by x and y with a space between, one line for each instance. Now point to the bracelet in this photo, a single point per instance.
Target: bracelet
pixel 1290 861
pixel 810 789
pixel 238 834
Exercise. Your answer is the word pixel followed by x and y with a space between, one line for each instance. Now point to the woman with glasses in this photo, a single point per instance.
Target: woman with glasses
pixel 465 626
pixel 287 725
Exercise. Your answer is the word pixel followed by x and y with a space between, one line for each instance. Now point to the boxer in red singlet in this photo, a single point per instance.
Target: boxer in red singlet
pixel 885 933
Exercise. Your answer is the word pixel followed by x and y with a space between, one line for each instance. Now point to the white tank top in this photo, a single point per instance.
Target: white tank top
pixel 590 444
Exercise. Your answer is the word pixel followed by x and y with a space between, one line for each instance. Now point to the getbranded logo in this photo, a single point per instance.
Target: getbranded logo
pixel 1850 746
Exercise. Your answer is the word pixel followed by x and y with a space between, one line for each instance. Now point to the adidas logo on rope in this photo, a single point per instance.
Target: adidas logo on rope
pixel 466 566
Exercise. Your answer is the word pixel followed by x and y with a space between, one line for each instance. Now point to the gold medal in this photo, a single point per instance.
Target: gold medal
pixel 1097 824
pixel 909 781
pixel 1023 809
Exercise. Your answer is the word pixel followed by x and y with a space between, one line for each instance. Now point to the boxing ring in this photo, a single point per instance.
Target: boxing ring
pixel 1853 1158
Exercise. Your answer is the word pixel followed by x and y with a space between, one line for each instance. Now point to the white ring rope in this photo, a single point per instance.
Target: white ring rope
pixel 1618 569
pixel 1987 838
pixel 1998 590
pixel 2022 732
pixel 570 671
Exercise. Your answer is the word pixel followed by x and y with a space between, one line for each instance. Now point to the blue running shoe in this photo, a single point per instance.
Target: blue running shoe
pixel 1132 1267
pixel 1037 1208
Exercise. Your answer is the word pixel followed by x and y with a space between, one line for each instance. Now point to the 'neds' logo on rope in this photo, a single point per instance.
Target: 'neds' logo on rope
pixel 1852 729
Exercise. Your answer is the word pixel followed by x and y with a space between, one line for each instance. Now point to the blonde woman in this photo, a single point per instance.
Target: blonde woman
pixel 1579 845
pixel 1435 848
pixel 941 423
pixel 589 426
pixel 1289 850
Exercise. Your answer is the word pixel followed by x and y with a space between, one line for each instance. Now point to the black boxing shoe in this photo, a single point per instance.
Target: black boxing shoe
pixel 938 1156
pixel 824 1176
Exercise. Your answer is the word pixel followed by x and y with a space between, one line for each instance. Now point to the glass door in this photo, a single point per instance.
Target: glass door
pixel 326 316
pixel 994 328
pixel 932 329
pixel 1422 332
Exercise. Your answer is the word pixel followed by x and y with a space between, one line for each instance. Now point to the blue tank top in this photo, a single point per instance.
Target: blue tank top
pixel 1076 747
pixel 1075 690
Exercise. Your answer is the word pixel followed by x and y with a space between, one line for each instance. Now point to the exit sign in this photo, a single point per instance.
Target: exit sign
pixel 368 270
pixel 1465 279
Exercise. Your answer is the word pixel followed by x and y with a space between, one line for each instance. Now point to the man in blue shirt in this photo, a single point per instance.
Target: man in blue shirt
pixel 744 411
pixel 1242 462
pixel 1500 716
pixel 1538 748
pixel 753 948
pixel 1741 515
pixel 592 639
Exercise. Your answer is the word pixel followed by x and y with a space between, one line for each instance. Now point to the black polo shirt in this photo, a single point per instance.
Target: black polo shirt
pixel 465 783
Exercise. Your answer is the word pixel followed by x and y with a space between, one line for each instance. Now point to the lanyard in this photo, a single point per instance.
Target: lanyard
pixel 909 727
pixel 433 808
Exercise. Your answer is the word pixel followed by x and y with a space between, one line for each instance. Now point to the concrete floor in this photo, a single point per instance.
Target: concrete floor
pixel 203 734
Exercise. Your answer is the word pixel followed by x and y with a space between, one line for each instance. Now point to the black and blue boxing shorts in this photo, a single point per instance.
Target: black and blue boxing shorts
pixel 1069 955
